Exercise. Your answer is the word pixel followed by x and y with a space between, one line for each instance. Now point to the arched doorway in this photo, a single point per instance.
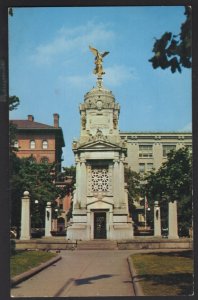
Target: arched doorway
pixel 100 231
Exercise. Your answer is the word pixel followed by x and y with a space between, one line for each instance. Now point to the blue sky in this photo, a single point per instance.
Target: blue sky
pixel 50 66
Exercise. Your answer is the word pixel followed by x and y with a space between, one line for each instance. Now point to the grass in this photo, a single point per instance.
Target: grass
pixel 25 260
pixel 165 274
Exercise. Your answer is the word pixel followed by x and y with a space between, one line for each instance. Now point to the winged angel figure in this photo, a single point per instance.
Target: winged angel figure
pixel 98 61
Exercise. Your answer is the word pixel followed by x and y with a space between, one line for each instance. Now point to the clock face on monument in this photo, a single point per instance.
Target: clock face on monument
pixel 99 104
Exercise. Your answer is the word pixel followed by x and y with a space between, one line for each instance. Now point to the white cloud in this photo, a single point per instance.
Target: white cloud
pixel 118 74
pixel 114 76
pixel 74 39
pixel 80 83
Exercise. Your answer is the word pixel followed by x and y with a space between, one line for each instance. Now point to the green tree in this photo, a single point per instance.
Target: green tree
pixel 173 181
pixel 13 104
pixel 134 188
pixel 174 51
pixel 68 174
pixel 38 179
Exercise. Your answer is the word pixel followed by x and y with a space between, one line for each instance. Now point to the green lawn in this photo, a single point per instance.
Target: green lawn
pixel 25 260
pixel 165 274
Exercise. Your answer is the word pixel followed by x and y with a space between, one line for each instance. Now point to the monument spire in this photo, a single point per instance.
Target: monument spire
pixel 98 62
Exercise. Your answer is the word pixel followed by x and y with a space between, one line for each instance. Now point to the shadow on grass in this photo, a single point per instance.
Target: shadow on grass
pixel 185 253
pixel 183 281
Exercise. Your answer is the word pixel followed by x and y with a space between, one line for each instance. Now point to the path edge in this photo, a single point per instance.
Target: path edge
pixel 25 275
pixel 136 285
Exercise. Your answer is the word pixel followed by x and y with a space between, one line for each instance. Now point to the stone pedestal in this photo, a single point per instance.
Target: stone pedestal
pixel 157 220
pixel 172 220
pixel 48 220
pixel 25 217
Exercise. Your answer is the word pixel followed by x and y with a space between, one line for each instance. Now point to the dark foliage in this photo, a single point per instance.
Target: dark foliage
pixel 174 51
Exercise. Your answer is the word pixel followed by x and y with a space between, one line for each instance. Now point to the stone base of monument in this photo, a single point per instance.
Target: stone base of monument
pixel 77 232
pixel 46 244
pixel 85 232
pixel 155 243
pixel 122 231
pixel 125 244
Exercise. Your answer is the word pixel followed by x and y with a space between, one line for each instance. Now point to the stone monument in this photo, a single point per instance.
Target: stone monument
pixel 100 201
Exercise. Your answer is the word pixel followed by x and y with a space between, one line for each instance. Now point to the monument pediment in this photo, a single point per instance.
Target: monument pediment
pixel 101 202
pixel 100 146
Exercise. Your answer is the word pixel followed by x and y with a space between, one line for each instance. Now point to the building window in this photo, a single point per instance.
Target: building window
pixel 167 149
pixel 149 167
pixel 141 167
pixel 100 180
pixel 44 160
pixel 32 144
pixel 145 151
pixel 45 144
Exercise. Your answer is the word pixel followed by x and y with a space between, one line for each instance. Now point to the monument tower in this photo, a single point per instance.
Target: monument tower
pixel 100 200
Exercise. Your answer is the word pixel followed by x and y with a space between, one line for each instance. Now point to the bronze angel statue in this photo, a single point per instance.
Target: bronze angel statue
pixel 98 61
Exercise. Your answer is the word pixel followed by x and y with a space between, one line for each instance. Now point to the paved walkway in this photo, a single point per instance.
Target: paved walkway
pixel 81 273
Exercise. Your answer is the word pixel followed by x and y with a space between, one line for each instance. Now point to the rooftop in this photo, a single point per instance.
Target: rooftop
pixel 26 124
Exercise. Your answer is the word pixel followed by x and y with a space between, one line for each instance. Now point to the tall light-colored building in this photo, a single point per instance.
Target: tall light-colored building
pixel 148 150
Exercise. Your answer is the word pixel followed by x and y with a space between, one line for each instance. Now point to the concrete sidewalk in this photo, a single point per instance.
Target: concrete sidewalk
pixel 85 273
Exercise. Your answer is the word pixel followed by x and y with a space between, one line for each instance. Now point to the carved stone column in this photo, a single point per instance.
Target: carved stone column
pixel 157 220
pixel 25 216
pixel 89 226
pixel 116 183
pixel 172 220
pixel 121 181
pixel 83 183
pixel 78 180
pixel 48 219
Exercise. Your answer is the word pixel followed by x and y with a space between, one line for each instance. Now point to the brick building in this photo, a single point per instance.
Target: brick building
pixel 42 142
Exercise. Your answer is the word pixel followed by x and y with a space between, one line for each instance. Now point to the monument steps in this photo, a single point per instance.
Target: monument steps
pixel 97 245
